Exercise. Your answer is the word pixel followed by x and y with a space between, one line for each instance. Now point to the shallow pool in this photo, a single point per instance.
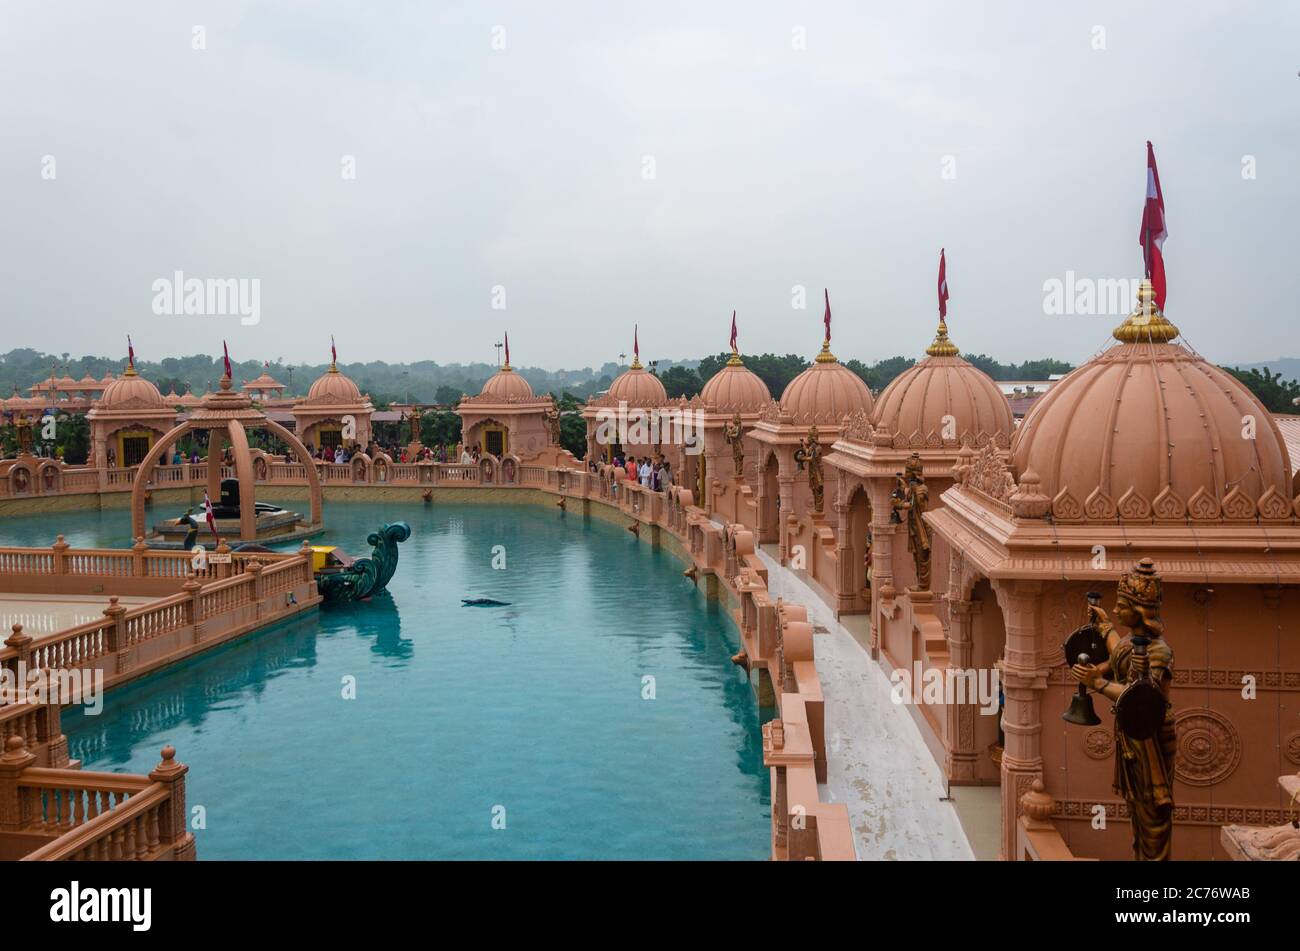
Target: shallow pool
pixel 523 732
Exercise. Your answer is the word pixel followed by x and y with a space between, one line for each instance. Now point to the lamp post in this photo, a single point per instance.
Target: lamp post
pixel 498 345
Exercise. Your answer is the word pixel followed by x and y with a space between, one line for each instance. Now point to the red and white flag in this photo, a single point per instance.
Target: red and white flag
pixel 334 354
pixel 1154 231
pixel 212 518
pixel 827 319
pixel 733 331
pixel 225 357
pixel 943 287
pixel 507 349
pixel 636 345
pixel 130 352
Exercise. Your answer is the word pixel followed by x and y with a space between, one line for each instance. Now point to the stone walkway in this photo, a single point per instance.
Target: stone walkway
pixel 879 765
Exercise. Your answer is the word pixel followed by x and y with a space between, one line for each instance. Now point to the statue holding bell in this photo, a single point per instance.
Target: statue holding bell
pixel 1136 675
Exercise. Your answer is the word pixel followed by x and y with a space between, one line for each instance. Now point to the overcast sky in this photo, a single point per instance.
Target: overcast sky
pixel 811 144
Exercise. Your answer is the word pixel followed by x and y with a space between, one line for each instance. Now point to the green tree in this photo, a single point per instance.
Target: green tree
pixel 1275 393
pixel 680 381
pixel 447 395
pixel 439 428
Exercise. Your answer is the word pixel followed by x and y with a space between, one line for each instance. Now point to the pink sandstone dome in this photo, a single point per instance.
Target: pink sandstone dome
pixel 1152 421
pixel 507 384
pixel 825 393
pixel 736 388
pixel 131 390
pixel 637 386
pixel 943 384
pixel 334 387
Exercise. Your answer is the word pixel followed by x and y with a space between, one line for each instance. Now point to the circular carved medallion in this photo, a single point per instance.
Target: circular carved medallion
pixel 1292 747
pixel 1098 743
pixel 1209 748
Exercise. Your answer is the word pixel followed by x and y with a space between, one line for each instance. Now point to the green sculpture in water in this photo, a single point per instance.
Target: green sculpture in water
pixel 364 577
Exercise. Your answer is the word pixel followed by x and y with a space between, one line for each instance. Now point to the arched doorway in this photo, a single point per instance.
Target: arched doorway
pixel 860 540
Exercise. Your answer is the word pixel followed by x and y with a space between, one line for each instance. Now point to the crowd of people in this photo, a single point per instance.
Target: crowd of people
pixel 654 474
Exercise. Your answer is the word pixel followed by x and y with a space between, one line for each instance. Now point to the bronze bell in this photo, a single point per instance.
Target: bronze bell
pixel 1081 711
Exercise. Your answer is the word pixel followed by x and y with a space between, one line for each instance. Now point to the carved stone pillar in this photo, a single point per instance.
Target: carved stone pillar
pixel 882 557
pixel 846 573
pixel 959 734
pixel 785 484
pixel 1024 682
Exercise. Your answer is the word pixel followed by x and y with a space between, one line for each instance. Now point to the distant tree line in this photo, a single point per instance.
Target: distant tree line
pixel 778 371
pixel 1277 395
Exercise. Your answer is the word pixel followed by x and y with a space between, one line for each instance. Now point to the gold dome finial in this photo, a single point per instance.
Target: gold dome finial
pixel 826 356
pixel 942 346
pixel 1146 324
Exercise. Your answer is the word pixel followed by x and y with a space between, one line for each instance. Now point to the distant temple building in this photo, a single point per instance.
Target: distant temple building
pixel 333 413
pixel 506 418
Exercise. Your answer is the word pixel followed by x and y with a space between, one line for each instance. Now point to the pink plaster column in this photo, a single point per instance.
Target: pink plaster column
pixel 1024 681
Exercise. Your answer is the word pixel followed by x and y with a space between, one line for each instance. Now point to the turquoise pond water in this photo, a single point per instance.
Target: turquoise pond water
pixel 535 708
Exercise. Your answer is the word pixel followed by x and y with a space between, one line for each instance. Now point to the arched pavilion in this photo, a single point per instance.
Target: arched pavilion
pixel 820 397
pixel 1146 451
pixel 226 416
pixel 130 419
pixel 506 417
pixel 333 408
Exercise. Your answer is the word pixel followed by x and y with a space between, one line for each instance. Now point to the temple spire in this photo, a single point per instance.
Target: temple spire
pixel 507 363
pixel 826 356
pixel 942 346
pixel 636 349
pixel 735 360
pixel 1146 324
pixel 130 358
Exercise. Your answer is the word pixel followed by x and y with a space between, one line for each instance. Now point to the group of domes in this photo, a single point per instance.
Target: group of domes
pixel 132 391
pixel 1149 419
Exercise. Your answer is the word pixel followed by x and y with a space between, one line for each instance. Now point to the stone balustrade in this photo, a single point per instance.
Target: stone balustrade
pixel 37 478
pixel 68 814
pixel 194 610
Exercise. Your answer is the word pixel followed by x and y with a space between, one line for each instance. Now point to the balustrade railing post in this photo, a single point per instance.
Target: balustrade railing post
pixel 194 588
pixel 259 586
pixel 116 640
pixel 306 553
pixel 22 643
pixel 225 569
pixel 60 548
pixel 138 551
pixel 172 817
pixel 15 808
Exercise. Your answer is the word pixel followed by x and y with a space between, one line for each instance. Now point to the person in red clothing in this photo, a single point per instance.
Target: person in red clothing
pixel 631 467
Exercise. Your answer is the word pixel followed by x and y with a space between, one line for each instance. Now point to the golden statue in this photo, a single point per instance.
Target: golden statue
pixel 809 453
pixel 734 433
pixel 1136 676
pixel 24 430
pixel 909 500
